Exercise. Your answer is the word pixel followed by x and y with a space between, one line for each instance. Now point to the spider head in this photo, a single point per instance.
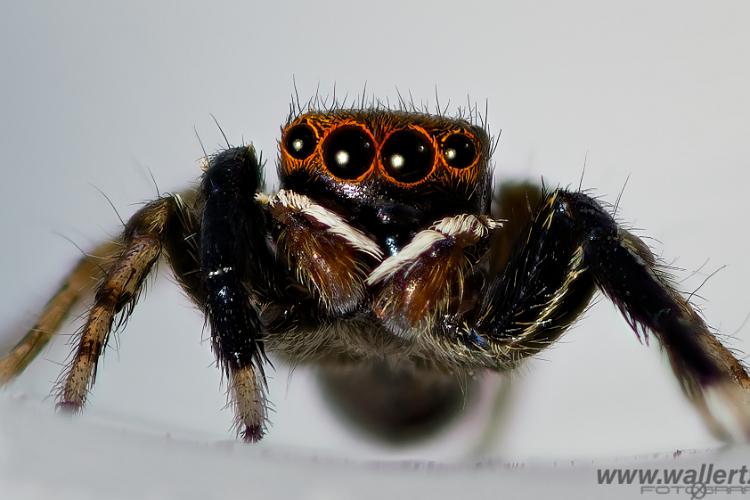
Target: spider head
pixel 390 173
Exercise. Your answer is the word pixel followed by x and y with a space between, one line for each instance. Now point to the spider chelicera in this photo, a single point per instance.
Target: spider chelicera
pixel 382 259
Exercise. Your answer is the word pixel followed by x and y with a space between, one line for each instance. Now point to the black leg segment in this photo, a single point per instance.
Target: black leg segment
pixel 234 261
pixel 574 243
pixel 542 289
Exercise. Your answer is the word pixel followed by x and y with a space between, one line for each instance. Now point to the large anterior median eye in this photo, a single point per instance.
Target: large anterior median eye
pixel 407 155
pixel 459 151
pixel 300 141
pixel 348 152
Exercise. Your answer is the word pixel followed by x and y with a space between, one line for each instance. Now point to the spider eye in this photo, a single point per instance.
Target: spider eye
pixel 408 155
pixel 300 141
pixel 348 152
pixel 459 151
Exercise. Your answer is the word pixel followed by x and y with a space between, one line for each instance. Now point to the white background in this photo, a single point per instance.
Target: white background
pixel 98 95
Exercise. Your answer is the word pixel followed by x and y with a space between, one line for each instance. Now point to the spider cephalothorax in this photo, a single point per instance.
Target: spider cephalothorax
pixel 382 258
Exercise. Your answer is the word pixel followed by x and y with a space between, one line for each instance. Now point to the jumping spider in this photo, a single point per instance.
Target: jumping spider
pixel 383 260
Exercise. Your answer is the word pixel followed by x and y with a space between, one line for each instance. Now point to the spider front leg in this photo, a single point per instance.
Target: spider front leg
pixel 256 248
pixel 235 260
pixel 573 243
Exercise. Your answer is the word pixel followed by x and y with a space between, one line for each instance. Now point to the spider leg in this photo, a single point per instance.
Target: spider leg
pixel 234 252
pixel 138 249
pixel 574 243
pixel 79 281
pixel 83 279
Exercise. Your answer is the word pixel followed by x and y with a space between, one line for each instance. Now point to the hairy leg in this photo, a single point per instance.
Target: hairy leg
pixel 138 249
pixel 81 280
pixel 235 261
pixel 573 243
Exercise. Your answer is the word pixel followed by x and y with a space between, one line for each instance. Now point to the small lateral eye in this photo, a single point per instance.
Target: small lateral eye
pixel 407 155
pixel 459 151
pixel 348 152
pixel 300 141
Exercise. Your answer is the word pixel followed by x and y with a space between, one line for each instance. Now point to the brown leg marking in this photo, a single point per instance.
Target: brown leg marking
pixel 81 280
pixel 141 247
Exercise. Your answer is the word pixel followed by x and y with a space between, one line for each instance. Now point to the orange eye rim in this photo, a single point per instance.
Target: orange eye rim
pixel 460 171
pixel 322 128
pixel 348 123
pixel 290 160
pixel 429 174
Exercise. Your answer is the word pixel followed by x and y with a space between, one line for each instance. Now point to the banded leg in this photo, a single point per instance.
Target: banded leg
pixel 81 280
pixel 234 253
pixel 573 241
pixel 140 247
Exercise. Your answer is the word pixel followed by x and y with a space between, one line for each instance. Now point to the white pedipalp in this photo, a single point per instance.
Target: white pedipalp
pixel 465 224
pixel 472 226
pixel 420 244
pixel 334 223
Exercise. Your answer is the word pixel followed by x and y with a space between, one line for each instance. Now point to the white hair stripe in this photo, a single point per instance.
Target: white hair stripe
pixel 334 223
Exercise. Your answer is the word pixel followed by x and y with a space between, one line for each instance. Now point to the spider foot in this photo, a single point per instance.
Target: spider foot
pixel 68 407
pixel 252 433
pixel 249 403
pixel 725 408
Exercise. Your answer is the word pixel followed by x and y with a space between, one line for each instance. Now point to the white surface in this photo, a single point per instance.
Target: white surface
pixel 97 94
pixel 131 465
